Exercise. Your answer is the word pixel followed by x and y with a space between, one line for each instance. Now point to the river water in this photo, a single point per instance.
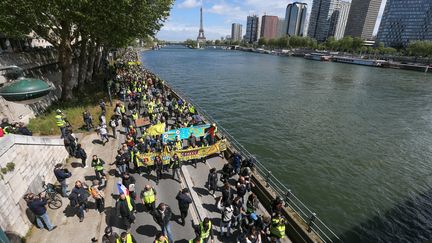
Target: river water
pixel 353 142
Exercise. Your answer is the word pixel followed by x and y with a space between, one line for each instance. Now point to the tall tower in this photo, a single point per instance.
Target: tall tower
pixel 362 18
pixel 320 19
pixel 201 40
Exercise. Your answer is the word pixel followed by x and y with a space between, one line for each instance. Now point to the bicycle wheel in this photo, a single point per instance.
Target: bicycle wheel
pixel 55 202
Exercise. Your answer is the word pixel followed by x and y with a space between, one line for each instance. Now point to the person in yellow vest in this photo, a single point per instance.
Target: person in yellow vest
pixel 205 231
pixel 277 227
pixel 178 143
pixel 98 165
pixel 125 207
pixel 196 240
pixel 148 198
pixel 60 119
pixel 191 109
pixel 126 237
pixel 122 109
pixel 135 117
pixel 160 238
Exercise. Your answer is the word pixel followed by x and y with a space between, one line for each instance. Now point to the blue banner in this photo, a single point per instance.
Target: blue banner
pixel 184 133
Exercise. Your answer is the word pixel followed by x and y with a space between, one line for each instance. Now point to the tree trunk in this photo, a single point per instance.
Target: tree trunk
pixel 66 61
pixel 90 62
pixel 82 64
pixel 97 59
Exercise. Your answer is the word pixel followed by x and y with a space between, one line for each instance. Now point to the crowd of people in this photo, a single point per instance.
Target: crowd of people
pixel 18 128
pixel 145 95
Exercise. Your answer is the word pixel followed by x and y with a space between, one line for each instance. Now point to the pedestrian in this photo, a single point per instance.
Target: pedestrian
pixel 212 179
pixel 70 142
pixel 227 194
pixel 98 196
pixel 126 237
pixel 254 236
pixel 148 198
pixel 78 199
pixel 125 208
pixel 238 211
pixel 102 130
pixel 236 159
pixel 98 165
pixel 60 119
pixel 251 203
pixel 87 120
pixel 81 154
pixel 129 182
pixel 162 216
pixel 37 206
pixel 113 124
pixel 227 216
pixel 158 166
pixel 23 130
pixel 102 105
pixel 62 174
pixel 121 161
pixel 277 205
pixel 160 238
pixel 205 231
pixel 241 188
pixel 247 223
pixel 183 202
pixel 277 227
pixel 175 166
pixel 109 236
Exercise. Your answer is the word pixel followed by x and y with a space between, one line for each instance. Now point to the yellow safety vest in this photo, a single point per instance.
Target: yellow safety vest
pixel 164 240
pixel 128 239
pixel 59 121
pixel 279 229
pixel 122 109
pixel 205 234
pixel 193 241
pixel 134 116
pixel 149 196
pixel 179 145
pixel 98 165
pixel 129 203
pixel 191 109
pixel 6 130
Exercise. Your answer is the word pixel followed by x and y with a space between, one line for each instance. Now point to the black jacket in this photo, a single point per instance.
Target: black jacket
pixel 123 209
pixel 183 201
pixel 37 206
pixel 162 221
pixel 78 196
pixel 80 153
pixel 61 174
pixel 128 181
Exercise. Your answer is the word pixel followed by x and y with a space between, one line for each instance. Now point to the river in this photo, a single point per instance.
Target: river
pixel 354 143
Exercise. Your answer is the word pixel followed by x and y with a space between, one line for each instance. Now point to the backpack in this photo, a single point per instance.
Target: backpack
pixel 94 193
pixel 73 199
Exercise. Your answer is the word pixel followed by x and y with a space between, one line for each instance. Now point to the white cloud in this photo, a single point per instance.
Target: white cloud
pixel 189 4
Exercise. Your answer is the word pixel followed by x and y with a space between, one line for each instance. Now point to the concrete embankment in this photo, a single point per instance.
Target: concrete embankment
pixel 34 159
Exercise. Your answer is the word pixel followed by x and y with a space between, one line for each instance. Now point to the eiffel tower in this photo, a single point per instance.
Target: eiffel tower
pixel 201 40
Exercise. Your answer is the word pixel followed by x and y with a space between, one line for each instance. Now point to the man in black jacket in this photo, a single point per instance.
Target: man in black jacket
pixel 162 216
pixel 37 206
pixel 126 208
pixel 81 154
pixel 61 175
pixel 78 198
pixel 183 201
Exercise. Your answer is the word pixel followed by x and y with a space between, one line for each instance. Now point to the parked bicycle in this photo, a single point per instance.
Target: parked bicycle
pixel 53 197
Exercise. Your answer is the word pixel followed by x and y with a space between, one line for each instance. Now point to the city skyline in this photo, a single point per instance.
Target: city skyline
pixel 220 14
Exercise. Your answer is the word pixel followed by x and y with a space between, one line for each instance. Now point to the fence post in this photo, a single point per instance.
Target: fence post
pixel 268 178
pixel 311 222
pixel 287 196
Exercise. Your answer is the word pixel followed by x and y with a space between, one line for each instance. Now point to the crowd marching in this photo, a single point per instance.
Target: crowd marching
pixel 144 95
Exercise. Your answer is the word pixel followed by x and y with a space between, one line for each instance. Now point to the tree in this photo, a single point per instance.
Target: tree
pixel 262 41
pixel 83 26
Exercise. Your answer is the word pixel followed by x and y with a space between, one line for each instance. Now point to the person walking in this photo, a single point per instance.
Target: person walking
pixel 81 154
pixel 126 237
pixel 102 105
pixel 162 216
pixel 98 165
pixel 129 182
pixel 148 198
pixel 227 194
pixel 212 179
pixel 113 124
pixel 183 202
pixel 60 119
pixel 205 231
pixel 175 166
pixel 87 120
pixel 158 166
pixel 102 130
pixel 78 198
pixel 109 236
pixel 62 174
pixel 227 216
pixel 277 227
pixel 125 209
pixel 160 238
pixel 98 196
pixel 37 206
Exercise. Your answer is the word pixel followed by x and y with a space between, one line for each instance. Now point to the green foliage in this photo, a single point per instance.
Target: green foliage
pixel 10 166
pixel 420 48
pixel 262 41
pixel 191 43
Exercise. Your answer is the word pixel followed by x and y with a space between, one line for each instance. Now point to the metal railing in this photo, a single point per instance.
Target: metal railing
pixel 310 218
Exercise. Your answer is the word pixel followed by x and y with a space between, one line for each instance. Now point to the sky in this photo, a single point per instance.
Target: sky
pixel 184 19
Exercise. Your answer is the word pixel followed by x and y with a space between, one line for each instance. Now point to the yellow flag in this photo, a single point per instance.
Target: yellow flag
pixel 157 129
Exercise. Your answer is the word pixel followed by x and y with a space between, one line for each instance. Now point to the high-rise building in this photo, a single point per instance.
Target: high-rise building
pixel 269 26
pixel 340 21
pixel 404 21
pixel 320 19
pixel 282 27
pixel 236 32
pixel 252 29
pixel 362 18
pixel 296 17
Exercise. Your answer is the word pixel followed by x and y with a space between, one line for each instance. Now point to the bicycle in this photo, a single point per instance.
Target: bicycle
pixel 53 198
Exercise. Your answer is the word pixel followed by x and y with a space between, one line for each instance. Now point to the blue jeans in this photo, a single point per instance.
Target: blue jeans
pixel 122 168
pixel 166 230
pixel 62 131
pixel 64 188
pixel 43 219
pixel 81 209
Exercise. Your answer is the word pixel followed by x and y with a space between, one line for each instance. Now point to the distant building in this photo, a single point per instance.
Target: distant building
pixel 295 17
pixel 282 27
pixel 252 29
pixel 362 17
pixel 340 21
pixel 236 32
pixel 404 21
pixel 269 27
pixel 320 19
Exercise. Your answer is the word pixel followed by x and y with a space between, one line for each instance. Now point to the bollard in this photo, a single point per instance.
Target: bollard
pixel 268 178
pixel 311 221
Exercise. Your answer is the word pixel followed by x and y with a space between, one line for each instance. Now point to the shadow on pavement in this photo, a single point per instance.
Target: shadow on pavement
pixel 90 178
pixel 201 191
pixel 111 218
pixel 211 208
pixel 76 165
pixel 97 141
pixel 69 211
pixel 147 230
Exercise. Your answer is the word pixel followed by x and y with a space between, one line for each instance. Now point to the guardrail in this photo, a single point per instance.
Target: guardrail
pixel 310 218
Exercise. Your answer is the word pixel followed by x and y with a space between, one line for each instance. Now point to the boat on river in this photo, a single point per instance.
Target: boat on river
pixel 359 61
pixel 318 57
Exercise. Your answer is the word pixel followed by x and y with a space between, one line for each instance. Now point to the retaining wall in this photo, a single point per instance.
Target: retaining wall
pixel 34 159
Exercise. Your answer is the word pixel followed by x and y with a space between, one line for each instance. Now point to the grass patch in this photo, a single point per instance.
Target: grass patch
pixel 45 124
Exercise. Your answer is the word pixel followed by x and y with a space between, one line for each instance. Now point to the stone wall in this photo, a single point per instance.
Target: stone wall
pixel 34 159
